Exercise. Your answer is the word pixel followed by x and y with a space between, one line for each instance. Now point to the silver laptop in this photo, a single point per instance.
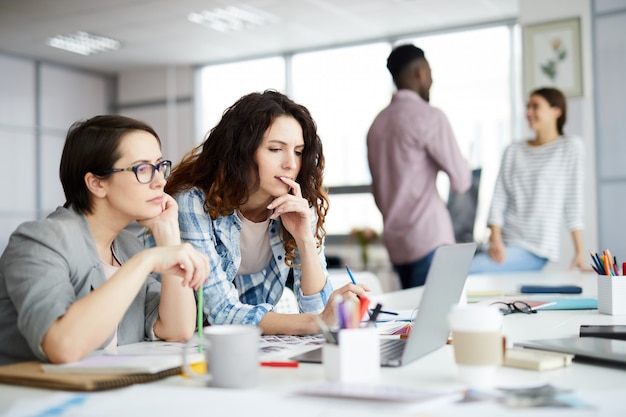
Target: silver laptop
pixel 443 288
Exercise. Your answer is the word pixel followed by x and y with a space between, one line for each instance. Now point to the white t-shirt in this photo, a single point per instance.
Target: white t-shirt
pixel 109 270
pixel 254 242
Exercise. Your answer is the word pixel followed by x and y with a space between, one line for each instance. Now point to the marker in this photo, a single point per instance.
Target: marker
pixel 280 364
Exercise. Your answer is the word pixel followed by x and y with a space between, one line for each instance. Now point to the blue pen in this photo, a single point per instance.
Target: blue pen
pixel 363 301
pixel 596 260
pixel 351 276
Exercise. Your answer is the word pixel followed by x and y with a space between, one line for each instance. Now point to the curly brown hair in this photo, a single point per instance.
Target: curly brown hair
pixel 220 166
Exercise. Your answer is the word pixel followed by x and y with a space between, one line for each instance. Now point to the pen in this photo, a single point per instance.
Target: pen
pixel 596 261
pixel 200 317
pixel 599 264
pixel 364 301
pixel 391 313
pixel 351 276
pixel 374 315
pixel 609 262
pixel 281 364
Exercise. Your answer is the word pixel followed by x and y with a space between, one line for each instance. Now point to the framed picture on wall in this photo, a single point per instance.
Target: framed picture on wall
pixel 552 56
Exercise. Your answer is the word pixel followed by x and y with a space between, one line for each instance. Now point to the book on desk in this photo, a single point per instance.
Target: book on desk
pixel 549 302
pixel 116 364
pixel 126 365
pixel 31 374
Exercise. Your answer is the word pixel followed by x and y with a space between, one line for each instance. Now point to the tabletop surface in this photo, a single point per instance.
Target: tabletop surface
pixel 438 370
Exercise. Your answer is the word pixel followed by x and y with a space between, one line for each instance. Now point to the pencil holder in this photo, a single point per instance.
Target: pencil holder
pixel 354 358
pixel 612 295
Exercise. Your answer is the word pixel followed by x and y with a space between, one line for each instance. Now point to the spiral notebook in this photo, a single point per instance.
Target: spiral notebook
pixel 32 374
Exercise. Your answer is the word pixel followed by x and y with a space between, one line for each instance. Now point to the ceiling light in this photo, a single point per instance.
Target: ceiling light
pixel 83 43
pixel 232 18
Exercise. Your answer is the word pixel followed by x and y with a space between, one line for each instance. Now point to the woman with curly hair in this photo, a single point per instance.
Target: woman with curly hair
pixel 251 198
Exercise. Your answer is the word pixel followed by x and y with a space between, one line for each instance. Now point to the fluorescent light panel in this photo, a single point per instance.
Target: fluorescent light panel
pixel 83 43
pixel 232 18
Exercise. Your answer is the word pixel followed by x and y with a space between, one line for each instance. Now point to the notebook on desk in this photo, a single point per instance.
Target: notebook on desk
pixel 596 348
pixel 31 374
pixel 444 286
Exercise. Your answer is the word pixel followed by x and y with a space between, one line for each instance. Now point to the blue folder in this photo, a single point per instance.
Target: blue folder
pixel 573 303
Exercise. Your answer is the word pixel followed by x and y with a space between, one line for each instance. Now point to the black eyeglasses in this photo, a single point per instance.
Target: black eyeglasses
pixel 514 307
pixel 145 172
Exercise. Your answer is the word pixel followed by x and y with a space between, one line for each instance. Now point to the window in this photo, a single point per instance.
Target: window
pixel 222 85
pixel 476 84
pixel 345 88
pixel 472 83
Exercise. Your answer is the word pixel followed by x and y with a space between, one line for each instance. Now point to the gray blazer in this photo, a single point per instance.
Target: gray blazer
pixel 48 265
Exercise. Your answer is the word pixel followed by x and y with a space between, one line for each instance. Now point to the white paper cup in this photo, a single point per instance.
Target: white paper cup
pixel 478 344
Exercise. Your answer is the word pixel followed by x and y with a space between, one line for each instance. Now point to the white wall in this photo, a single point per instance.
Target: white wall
pixel 163 98
pixel 38 103
pixel 580 118
pixel 610 64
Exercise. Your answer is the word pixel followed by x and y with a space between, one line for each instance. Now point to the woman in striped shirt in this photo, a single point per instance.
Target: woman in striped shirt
pixel 539 188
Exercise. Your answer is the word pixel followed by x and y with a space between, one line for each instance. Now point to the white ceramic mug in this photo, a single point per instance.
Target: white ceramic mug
pixel 478 343
pixel 232 356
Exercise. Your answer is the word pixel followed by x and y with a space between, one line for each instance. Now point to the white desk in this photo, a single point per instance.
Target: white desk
pixel 436 370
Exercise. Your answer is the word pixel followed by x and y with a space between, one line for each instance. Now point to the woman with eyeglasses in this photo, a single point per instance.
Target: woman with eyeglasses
pixel 76 281
pixel 251 198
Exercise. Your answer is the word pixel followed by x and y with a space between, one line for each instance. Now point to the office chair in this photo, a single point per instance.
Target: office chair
pixel 462 208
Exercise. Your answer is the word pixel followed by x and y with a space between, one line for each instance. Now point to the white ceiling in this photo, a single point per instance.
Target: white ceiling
pixel 157 32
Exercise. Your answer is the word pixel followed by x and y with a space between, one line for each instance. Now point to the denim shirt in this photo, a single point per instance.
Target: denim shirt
pixel 241 298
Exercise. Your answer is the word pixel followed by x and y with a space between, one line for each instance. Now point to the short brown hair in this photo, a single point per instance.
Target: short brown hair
pixel 92 146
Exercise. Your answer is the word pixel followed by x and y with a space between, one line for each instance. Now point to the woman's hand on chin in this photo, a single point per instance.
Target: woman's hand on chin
pixel 164 226
pixel 293 210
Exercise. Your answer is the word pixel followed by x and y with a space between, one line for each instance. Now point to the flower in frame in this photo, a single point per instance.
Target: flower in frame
pixel 550 67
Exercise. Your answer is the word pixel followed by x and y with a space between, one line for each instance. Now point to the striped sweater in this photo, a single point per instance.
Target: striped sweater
pixel 538 189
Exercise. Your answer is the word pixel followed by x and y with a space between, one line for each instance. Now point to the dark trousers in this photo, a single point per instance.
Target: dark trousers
pixel 414 273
